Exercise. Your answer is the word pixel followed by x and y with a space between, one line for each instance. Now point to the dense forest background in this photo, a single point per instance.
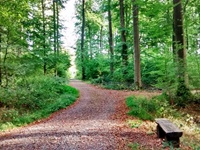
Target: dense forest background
pixel 140 44
pixel 130 44
pixel 33 62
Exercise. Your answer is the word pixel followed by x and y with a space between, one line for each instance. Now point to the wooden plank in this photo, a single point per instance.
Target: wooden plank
pixel 169 128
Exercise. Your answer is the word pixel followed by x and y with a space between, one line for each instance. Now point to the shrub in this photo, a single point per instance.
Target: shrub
pixel 141 107
pixel 32 98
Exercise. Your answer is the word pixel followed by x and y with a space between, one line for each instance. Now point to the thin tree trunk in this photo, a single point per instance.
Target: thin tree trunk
pixel 174 47
pixel 44 38
pixel 4 59
pixel 82 41
pixel 110 39
pixel 55 36
pixel 0 60
pixel 90 41
pixel 137 70
pixel 101 37
pixel 57 29
pixel 123 37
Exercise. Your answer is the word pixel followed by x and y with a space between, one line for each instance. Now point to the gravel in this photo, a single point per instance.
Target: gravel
pixel 91 123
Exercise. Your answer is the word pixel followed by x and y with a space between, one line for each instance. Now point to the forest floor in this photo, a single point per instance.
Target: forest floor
pixel 96 121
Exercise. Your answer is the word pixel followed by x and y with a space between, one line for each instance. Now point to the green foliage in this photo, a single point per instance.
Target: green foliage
pixel 183 95
pixel 119 85
pixel 134 146
pixel 158 106
pixel 164 107
pixel 33 98
pixel 7 115
pixel 141 107
pixel 63 63
pixel 158 67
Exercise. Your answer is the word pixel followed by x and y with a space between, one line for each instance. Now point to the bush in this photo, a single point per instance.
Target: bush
pixel 141 107
pixel 183 95
pixel 33 98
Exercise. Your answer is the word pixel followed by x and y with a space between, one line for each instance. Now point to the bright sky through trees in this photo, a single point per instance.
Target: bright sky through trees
pixel 68 17
pixel 69 35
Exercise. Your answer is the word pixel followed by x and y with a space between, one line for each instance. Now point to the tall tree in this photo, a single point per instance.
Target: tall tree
pixel 101 37
pixel 0 61
pixel 110 38
pixel 137 70
pixel 124 51
pixel 82 41
pixel 44 36
pixel 55 35
pixel 180 49
pixel 57 27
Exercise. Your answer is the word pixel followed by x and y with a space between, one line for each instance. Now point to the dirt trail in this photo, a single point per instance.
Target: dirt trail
pixel 92 123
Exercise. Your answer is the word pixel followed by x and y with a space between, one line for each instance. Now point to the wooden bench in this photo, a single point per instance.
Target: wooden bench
pixel 169 131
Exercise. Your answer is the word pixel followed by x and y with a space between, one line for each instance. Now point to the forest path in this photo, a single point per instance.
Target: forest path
pixel 94 122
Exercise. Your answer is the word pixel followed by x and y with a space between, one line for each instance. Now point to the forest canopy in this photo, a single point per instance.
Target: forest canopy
pixel 138 44
pixel 33 61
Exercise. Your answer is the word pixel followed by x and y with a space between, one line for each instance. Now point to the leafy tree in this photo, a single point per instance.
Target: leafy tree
pixel 110 39
pixel 106 34
pixel 182 90
pixel 137 75
pixel 124 52
pixel 82 41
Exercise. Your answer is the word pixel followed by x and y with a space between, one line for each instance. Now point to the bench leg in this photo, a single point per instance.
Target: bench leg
pixel 174 141
pixel 160 132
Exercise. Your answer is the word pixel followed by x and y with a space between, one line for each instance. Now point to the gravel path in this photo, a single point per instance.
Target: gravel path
pixel 89 124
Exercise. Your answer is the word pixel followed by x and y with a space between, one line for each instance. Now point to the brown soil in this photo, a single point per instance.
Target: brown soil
pixel 97 121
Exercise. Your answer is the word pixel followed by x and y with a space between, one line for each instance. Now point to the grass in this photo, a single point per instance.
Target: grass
pixel 32 99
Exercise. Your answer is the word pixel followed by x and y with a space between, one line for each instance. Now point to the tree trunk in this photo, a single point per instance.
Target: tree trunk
pixel 123 37
pixel 137 70
pixel 179 40
pixel 0 61
pixel 90 43
pixel 57 28
pixel 5 58
pixel 110 38
pixel 100 37
pixel 44 38
pixel 82 41
pixel 182 90
pixel 55 36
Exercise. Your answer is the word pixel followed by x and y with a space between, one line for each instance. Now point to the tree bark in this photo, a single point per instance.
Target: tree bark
pixel 5 58
pixel 179 40
pixel 90 43
pixel 82 41
pixel 123 37
pixel 44 38
pixel 183 94
pixel 57 28
pixel 101 37
pixel 55 35
pixel 0 60
pixel 110 38
pixel 137 69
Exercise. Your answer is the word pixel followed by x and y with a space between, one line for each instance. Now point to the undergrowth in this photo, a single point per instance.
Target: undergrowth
pixel 141 107
pixel 160 107
pixel 33 98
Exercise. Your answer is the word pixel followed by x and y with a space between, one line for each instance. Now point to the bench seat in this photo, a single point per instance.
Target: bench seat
pixel 166 129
